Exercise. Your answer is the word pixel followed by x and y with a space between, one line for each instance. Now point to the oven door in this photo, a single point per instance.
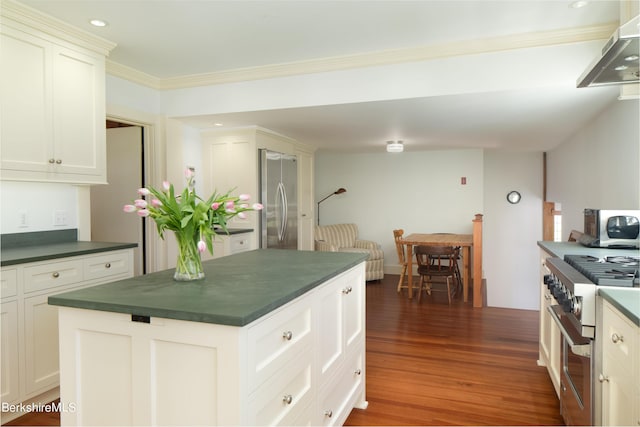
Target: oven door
pixel 576 373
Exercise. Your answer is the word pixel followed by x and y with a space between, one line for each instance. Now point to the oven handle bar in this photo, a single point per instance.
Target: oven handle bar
pixel 578 344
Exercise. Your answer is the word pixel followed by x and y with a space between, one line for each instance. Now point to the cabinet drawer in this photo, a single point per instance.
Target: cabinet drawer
pixel 282 399
pixel 619 336
pixel 338 397
pixel 240 243
pixel 51 275
pixel 9 282
pixel 277 340
pixel 107 265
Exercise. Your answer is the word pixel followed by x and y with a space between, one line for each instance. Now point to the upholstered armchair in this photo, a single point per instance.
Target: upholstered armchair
pixel 344 238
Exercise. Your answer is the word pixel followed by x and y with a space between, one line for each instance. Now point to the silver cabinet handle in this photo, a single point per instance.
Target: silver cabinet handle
pixel 287 399
pixel 328 413
pixel 52 161
pixel 347 290
pixel 56 275
pixel 287 335
pixel 107 265
pixel 358 372
pixel 603 379
pixel 617 338
pixel 59 161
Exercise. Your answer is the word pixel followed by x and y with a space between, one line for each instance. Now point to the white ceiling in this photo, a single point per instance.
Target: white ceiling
pixel 176 38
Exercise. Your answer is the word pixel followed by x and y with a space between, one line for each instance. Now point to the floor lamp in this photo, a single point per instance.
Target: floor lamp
pixel 338 191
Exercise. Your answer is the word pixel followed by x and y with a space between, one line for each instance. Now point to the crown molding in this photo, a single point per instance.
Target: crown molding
pixel 387 57
pixel 32 18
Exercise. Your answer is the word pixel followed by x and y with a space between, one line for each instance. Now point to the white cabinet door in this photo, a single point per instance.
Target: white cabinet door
pixel 9 352
pixel 41 344
pixel 25 99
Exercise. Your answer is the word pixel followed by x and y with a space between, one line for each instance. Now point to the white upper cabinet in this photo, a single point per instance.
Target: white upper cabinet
pixel 53 105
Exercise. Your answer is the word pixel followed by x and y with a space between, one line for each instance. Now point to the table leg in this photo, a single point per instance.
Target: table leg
pixel 410 270
pixel 466 269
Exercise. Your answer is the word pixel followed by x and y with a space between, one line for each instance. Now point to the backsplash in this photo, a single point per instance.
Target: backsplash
pixel 36 206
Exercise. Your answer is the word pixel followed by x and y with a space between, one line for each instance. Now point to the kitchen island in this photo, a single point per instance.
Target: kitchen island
pixel 268 337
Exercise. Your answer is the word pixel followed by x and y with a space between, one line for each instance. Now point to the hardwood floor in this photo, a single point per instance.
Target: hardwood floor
pixel 429 363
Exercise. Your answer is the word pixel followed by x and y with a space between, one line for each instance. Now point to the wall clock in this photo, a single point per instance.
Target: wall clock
pixel 513 197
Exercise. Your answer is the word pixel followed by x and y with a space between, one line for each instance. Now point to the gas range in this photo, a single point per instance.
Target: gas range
pixel 574 283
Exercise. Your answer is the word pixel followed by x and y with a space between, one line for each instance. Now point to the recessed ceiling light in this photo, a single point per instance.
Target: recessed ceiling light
pixel 631 58
pixel 395 147
pixel 578 4
pixel 98 23
pixel 218 124
pixel 621 68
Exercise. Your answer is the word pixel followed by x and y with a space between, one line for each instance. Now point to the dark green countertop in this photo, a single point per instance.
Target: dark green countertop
pixel 627 301
pixel 237 289
pixel 43 252
pixel 560 249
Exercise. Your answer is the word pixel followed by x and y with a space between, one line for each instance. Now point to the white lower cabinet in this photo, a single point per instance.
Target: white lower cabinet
pixel 620 376
pixel 30 351
pixel 273 371
pixel 550 335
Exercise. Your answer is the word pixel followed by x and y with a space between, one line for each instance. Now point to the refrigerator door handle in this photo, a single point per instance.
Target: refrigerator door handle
pixel 280 210
pixel 285 213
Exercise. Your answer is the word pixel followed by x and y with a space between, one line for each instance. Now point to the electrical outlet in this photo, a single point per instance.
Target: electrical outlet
pixel 23 219
pixel 60 218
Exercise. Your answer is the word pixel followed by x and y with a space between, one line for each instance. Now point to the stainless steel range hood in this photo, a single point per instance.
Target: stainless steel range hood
pixel 619 52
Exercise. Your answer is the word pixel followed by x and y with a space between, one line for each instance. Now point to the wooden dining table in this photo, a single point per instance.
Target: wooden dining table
pixel 466 242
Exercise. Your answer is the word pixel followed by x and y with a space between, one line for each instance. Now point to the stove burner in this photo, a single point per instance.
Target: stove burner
pixel 609 271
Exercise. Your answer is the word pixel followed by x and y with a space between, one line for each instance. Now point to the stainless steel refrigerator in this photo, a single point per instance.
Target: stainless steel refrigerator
pixel 279 196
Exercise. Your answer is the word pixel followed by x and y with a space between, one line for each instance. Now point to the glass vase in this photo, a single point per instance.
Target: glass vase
pixel 189 263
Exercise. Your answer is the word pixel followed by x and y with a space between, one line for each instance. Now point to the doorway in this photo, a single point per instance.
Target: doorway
pixel 125 174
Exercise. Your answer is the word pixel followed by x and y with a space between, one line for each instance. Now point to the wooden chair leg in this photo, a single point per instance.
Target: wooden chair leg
pixel 421 283
pixel 449 289
pixel 403 274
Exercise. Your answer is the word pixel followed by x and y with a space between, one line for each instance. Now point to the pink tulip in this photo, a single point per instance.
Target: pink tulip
pixel 166 185
pixel 244 206
pixel 257 206
pixel 242 215
pixel 143 212
pixel 215 205
pixel 230 204
pixel 139 203
pixel 202 246
pixel 244 197
pixel 129 208
pixel 156 203
pixel 188 173
pixel 143 191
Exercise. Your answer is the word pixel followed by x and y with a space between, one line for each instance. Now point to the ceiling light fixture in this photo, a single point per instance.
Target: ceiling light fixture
pixel 98 23
pixel 621 68
pixel 631 58
pixel 578 4
pixel 395 147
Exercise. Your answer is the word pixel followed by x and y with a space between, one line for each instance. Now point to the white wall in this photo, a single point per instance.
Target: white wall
pixel 415 191
pixel 510 252
pixel 40 202
pixel 599 167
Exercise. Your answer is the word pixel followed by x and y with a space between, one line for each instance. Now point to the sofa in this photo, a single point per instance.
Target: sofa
pixel 344 238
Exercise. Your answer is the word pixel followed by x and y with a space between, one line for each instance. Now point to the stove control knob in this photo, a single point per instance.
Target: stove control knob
pixel 567 305
pixel 577 307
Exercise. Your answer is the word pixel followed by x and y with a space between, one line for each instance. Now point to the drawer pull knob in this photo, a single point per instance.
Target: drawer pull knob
pixel 287 399
pixel 59 161
pixel 56 275
pixel 107 265
pixel 617 338
pixel 328 413
pixel 603 379
pixel 358 372
pixel 52 161
pixel 347 290
pixel 287 335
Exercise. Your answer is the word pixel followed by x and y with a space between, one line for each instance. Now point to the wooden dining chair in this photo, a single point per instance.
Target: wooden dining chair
pixel 402 259
pixel 436 262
